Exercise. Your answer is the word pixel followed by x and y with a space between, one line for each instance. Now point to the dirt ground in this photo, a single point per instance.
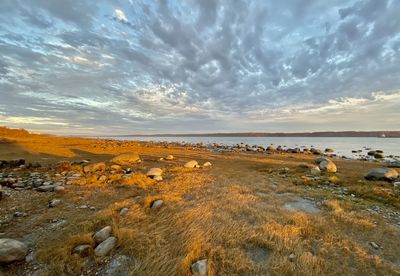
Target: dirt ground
pixel 248 214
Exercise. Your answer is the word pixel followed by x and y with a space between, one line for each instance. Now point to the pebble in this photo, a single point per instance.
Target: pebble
pixel 157 204
pixel 54 202
pixel 123 211
pixel 200 267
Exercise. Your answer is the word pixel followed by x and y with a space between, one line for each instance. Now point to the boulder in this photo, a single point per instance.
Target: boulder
pixel 102 234
pixel 191 164
pixel 327 166
pixel 385 174
pixel 328 150
pixel 45 188
pixel 105 247
pixel 394 164
pixel 207 164
pixel 379 155
pixel 169 157
pixel 158 178
pixel 126 159
pixel 154 172
pixel 371 153
pixel 200 267
pixel 12 250
pixel 98 167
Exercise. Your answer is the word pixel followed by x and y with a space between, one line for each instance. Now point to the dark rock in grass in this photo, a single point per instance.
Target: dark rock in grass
pixel 83 250
pixel 12 250
pixel 371 153
pixel 385 174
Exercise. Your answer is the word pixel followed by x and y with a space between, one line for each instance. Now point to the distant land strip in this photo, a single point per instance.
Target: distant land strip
pixel 382 134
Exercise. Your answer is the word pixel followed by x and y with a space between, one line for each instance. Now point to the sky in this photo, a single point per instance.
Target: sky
pixel 143 67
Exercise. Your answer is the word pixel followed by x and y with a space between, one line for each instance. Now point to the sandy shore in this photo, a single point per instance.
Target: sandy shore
pixel 247 214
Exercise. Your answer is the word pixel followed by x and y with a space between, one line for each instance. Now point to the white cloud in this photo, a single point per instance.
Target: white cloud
pixel 120 15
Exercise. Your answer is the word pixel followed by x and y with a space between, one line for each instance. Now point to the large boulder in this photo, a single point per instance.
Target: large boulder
pixel 191 164
pixel 126 159
pixel 12 250
pixel 385 174
pixel 327 166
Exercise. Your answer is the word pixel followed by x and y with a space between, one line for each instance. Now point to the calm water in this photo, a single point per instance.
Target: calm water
pixel 341 145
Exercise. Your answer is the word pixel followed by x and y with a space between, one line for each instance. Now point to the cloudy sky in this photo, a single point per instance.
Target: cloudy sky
pixel 127 66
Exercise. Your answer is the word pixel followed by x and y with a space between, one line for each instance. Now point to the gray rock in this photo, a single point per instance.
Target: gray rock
pixel 102 234
pixel 123 211
pixel 385 174
pixel 105 247
pixel 191 164
pixel 158 178
pixel 12 250
pixel 396 184
pixel 327 166
pixel 320 159
pixel 46 188
pixel 82 250
pixel 157 204
pixel 54 202
pixel 59 188
pixel 379 155
pixel 200 267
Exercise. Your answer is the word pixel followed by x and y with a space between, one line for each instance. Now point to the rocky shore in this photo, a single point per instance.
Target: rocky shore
pixel 117 208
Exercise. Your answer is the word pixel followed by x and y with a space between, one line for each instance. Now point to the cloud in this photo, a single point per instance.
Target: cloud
pixel 199 65
pixel 120 15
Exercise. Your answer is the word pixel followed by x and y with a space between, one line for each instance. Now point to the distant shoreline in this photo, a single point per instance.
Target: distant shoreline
pixel 375 134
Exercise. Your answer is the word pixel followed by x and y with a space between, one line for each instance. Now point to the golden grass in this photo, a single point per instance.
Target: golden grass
pixel 223 213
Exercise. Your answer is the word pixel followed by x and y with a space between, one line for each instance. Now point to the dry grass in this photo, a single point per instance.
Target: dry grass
pixel 228 214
